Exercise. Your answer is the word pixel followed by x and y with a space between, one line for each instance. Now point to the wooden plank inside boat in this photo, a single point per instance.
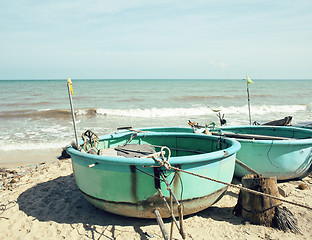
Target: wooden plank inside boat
pixel 249 136
pixel 134 150
pixel 128 151
pixel 109 152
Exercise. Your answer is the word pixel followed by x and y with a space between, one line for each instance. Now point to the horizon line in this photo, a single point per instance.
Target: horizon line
pixel 61 79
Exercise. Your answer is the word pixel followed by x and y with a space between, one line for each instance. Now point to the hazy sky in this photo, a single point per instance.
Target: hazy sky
pixel 155 39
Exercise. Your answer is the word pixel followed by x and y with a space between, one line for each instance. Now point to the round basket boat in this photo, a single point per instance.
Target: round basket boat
pixel 283 152
pixel 129 186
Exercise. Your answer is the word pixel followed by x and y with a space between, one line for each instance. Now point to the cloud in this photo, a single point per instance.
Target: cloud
pixel 218 64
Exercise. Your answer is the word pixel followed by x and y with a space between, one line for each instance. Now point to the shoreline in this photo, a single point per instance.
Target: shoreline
pixel 20 158
pixel 44 202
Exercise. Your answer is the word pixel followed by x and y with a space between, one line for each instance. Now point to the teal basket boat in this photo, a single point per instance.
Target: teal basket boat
pixel 284 152
pixel 129 186
pixel 281 151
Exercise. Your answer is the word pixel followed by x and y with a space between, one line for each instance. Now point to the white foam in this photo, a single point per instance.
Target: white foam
pixel 45 135
pixel 201 111
pixel 309 107
pixel 53 129
pixel 81 112
pixel 156 112
pixel 264 109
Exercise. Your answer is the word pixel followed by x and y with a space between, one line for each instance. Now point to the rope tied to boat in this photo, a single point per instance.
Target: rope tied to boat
pixel 163 162
pixel 242 188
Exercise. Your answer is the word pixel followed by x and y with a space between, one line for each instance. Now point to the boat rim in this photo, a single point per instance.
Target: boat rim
pixel 282 142
pixel 198 158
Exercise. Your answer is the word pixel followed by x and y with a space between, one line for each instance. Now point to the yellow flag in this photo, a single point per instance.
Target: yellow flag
pixel 70 85
pixel 214 110
pixel 249 80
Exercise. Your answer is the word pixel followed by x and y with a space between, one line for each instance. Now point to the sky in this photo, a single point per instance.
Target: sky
pixel 159 39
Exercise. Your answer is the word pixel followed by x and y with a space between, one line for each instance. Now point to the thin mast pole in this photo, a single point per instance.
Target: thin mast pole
pixel 248 102
pixel 70 93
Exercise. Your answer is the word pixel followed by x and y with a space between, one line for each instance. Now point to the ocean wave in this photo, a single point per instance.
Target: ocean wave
pixel 208 97
pixel 90 112
pixel 309 107
pixel 265 109
pixel 130 100
pixel 45 113
pixel 191 98
pixel 155 112
pixel 200 111
pixel 20 104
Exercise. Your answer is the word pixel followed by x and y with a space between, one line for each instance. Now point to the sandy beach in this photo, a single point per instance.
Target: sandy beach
pixel 40 200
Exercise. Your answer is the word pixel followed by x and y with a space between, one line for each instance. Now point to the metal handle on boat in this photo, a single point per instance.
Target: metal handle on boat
pixel 92 165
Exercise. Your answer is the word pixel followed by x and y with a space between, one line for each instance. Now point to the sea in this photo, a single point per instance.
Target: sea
pixel 36 114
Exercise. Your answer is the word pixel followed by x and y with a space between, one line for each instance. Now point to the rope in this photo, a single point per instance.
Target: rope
pixel 262 211
pixel 165 162
pixel 242 188
pixel 131 138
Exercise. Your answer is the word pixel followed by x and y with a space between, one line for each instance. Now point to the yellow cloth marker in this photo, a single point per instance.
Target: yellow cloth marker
pixel 70 85
pixel 249 80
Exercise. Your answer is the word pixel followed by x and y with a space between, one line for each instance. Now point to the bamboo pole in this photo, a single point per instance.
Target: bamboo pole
pixel 169 208
pixel 161 224
pixel 248 102
pixel 249 169
pixel 70 93
pixel 172 221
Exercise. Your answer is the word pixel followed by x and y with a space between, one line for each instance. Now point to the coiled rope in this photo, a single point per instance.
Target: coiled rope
pixel 163 162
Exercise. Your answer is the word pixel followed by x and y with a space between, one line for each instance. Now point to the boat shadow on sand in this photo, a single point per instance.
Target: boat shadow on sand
pixel 60 200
